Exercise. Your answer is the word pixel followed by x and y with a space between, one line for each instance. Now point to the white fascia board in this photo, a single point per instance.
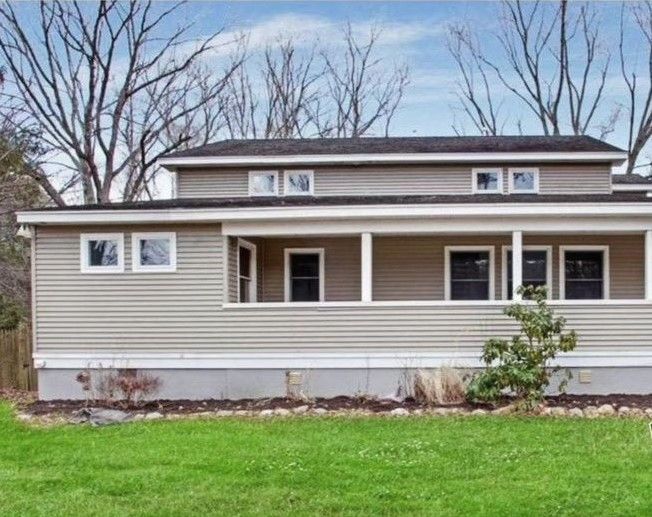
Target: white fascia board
pixel 198 215
pixel 631 187
pixel 315 360
pixel 390 158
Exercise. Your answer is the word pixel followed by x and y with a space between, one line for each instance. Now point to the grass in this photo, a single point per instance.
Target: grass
pixel 445 466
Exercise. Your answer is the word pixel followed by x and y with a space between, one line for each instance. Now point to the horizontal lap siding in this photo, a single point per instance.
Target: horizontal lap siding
pixel 182 312
pixel 398 180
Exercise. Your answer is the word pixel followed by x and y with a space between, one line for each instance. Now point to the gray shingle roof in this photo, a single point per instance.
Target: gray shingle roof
pixel 261 202
pixel 631 179
pixel 373 145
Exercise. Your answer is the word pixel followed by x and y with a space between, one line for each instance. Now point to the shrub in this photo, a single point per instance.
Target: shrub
pixel 439 386
pixel 127 387
pixel 520 365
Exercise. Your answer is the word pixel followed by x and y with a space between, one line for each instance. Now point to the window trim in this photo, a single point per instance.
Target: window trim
pixel 253 174
pixel 510 175
pixel 84 263
pixel 606 276
pixel 286 182
pixel 508 248
pixel 287 252
pixel 474 176
pixel 253 280
pixel 137 267
pixel 447 269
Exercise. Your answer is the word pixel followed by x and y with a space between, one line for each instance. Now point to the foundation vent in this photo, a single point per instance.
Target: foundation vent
pixel 585 377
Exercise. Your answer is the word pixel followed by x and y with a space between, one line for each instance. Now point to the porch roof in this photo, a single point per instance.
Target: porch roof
pixel 331 201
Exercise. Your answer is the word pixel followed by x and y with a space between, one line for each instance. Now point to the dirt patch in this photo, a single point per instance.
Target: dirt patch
pixel 331 404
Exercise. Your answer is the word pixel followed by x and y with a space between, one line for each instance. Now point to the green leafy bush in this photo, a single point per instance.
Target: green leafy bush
pixel 520 365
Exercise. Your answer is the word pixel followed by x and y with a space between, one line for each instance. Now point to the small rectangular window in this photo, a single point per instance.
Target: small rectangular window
pixel 487 181
pixel 469 274
pixel 299 183
pixel 304 270
pixel 246 271
pixel 263 183
pixel 154 252
pixel 584 274
pixel 523 181
pixel 101 253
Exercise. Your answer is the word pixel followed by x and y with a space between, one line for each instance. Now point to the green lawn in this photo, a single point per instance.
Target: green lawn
pixel 438 466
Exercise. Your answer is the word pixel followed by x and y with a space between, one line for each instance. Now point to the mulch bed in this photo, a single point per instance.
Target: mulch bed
pixel 331 404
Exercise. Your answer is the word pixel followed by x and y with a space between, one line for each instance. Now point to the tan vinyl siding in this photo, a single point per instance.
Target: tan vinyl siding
pixel 182 312
pixel 341 264
pixel 398 180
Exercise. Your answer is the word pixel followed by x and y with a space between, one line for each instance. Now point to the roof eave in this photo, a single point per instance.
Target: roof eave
pixel 175 163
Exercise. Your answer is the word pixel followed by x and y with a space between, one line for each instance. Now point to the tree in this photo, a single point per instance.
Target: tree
pixel 639 94
pixel 551 59
pixel 328 92
pixel 91 79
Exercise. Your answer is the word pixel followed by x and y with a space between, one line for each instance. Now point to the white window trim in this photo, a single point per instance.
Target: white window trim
pixel 84 264
pixel 135 252
pixel 499 187
pixel 253 280
pixel 510 180
pixel 253 174
pixel 606 277
pixel 286 182
pixel 447 269
pixel 547 249
pixel 304 251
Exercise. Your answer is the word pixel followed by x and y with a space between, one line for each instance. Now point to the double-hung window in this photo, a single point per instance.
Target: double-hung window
pixel 299 183
pixel 523 181
pixel 101 252
pixel 487 181
pixel 536 269
pixel 584 272
pixel 304 275
pixel 469 273
pixel 154 252
pixel 246 271
pixel 263 183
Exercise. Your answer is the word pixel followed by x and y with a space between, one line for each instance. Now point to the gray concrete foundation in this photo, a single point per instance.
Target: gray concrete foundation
pixel 237 383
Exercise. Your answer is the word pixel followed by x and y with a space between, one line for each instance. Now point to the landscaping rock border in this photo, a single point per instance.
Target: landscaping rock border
pixel 101 416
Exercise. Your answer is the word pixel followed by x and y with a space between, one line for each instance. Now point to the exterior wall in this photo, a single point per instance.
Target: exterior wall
pixel 403 180
pixel 182 311
pixel 382 382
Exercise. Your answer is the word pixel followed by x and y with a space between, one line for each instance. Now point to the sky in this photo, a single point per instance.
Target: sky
pixel 413 32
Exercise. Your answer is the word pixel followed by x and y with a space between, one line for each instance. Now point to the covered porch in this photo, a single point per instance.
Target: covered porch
pixel 442 268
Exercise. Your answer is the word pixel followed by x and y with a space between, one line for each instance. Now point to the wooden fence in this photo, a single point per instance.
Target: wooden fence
pixel 16 367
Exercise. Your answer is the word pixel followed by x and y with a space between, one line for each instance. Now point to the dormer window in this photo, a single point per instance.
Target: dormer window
pixel 263 183
pixel 299 183
pixel 523 181
pixel 487 181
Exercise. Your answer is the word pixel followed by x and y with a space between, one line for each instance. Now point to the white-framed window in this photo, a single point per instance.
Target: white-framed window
pixel 299 183
pixel 154 252
pixel 584 272
pixel 523 180
pixel 487 181
pixel 469 273
pixel 101 252
pixel 304 274
pixel 247 272
pixel 263 183
pixel 536 271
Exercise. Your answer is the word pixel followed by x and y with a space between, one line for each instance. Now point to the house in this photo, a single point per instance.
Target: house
pixel 337 266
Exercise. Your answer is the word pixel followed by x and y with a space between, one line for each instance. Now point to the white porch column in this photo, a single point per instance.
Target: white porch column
pixel 648 265
pixel 366 266
pixel 517 263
